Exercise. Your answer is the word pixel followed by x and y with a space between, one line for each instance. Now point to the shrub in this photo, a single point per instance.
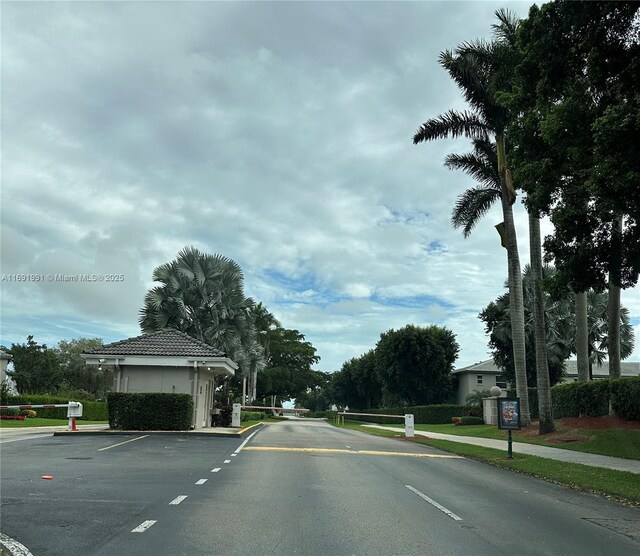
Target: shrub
pixel 10 412
pixel 468 420
pixel 149 411
pixel 30 413
pixel 225 415
pixel 473 412
pixel 456 420
pixel 577 399
pixel 12 417
pixel 625 397
pixel 251 415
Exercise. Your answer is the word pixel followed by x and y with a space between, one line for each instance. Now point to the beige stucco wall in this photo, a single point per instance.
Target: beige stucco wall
pixel 467 383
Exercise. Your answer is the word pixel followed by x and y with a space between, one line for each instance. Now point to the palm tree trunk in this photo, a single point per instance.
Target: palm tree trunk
pixel 516 302
pixel 546 424
pixel 582 337
pixel 613 344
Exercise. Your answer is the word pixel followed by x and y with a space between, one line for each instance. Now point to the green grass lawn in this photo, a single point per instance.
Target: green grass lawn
pixel 621 443
pixel 619 484
pixel 40 422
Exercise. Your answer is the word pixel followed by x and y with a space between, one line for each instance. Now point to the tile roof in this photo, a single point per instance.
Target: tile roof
pixel 487 366
pixel 627 368
pixel 165 342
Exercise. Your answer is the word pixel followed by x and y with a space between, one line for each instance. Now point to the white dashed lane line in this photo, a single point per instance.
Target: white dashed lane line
pixel 177 500
pixel 434 503
pixel 201 481
pixel 216 469
pixel 144 526
pixel 233 455
pixel 227 461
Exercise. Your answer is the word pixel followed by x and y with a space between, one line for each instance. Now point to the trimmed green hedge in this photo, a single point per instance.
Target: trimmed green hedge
pixel 150 411
pixel 468 420
pixel 591 399
pixel 91 411
pixel 252 415
pixel 320 414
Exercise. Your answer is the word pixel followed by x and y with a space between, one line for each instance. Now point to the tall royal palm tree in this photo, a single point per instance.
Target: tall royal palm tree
pixel 478 68
pixel 202 295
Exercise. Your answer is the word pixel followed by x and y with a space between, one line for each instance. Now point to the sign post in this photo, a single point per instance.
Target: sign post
pixel 509 419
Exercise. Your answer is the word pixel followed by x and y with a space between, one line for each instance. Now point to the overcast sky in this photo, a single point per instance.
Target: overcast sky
pixel 276 134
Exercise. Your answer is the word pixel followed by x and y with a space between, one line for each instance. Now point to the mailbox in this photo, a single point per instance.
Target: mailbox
pixel 74 409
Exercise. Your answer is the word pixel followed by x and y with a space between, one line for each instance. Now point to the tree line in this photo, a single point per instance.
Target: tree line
pixel 409 366
pixel 554 112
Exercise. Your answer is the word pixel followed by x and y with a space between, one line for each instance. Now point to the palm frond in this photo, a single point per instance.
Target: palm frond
pixel 451 124
pixel 506 29
pixel 475 165
pixel 471 206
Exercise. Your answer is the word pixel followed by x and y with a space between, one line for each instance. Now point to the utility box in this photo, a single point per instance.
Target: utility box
pixel 408 425
pixel 235 414
pixel 74 409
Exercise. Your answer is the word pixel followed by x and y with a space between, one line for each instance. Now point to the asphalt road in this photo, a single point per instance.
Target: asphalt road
pixel 296 487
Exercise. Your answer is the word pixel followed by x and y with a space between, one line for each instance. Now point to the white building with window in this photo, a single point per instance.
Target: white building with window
pixel 480 376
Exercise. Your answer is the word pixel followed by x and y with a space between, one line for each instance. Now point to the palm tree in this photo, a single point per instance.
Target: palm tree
pixel 560 317
pixel 202 295
pixel 478 69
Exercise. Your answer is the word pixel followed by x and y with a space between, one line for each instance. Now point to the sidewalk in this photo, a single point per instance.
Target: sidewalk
pixel 570 456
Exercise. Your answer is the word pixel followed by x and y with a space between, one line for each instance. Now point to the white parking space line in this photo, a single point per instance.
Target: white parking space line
pixel 201 481
pixel 216 469
pixel 144 526
pixel 121 443
pixel 227 461
pixel 177 500
pixel 434 503
pixel 239 449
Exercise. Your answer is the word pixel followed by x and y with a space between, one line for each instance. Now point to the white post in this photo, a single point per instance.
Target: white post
pixel 408 425
pixel 244 390
pixel 235 415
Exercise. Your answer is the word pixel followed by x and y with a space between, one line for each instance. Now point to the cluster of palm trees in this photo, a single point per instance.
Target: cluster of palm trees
pixel 203 295
pixel 484 71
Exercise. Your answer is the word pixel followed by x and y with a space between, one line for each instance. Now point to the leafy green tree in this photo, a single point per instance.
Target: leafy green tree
pixel 36 368
pixel 357 384
pixel 76 374
pixel 288 373
pixel 203 295
pixel 415 364
pixel 318 396
pixel 480 70
pixel 578 97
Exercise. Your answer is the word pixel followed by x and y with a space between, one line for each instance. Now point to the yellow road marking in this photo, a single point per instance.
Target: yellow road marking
pixel 339 451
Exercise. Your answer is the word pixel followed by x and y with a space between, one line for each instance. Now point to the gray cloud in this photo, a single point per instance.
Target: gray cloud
pixel 277 134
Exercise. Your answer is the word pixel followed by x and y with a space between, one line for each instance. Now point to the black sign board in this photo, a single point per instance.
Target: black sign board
pixel 509 414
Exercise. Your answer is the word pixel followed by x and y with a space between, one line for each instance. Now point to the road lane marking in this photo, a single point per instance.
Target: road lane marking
pixel 239 449
pixel 227 461
pixel 216 469
pixel 144 526
pixel 121 443
pixel 201 481
pixel 233 455
pixel 356 452
pixel 434 503
pixel 16 548
pixel 177 500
